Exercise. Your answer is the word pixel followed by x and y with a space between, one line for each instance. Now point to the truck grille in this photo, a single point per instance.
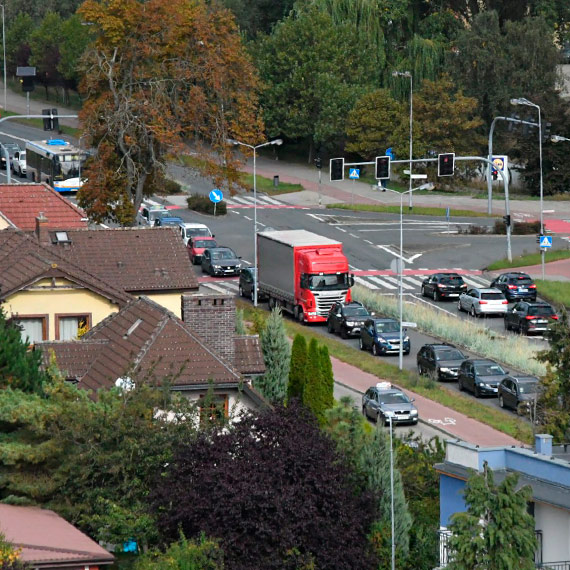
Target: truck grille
pixel 325 301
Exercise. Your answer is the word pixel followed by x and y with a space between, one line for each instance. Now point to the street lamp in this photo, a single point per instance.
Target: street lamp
pixel 523 101
pixel 254 149
pixel 558 138
pixel 4 53
pixel 408 74
pixel 427 186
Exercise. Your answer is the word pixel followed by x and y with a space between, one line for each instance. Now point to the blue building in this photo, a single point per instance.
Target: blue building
pixel 546 469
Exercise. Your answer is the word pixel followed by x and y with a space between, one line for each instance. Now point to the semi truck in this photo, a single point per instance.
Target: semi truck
pixel 303 273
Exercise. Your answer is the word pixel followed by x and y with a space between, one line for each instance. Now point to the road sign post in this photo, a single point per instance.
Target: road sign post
pixel 216 196
pixel 353 174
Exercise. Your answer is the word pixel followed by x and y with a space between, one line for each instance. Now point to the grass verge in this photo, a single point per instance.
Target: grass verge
pixel 39 124
pixel 417 210
pixel 511 425
pixel 529 259
pixel 512 350
pixel 557 293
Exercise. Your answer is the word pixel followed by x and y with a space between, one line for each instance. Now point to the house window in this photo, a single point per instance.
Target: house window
pixel 33 327
pixel 213 408
pixel 71 326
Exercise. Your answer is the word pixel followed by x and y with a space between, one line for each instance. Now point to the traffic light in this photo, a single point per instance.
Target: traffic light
pixel 382 168
pixel 27 84
pixel 51 122
pixel 337 169
pixel 507 220
pixel 539 238
pixel 319 162
pixel 446 164
pixel 545 131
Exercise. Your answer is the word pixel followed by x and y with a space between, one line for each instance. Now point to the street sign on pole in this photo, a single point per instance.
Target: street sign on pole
pixel 216 196
pixel 546 242
pixel 354 173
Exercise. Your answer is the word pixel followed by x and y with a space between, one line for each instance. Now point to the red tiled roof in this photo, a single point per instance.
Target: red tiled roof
pixel 133 259
pixel 21 204
pixel 47 540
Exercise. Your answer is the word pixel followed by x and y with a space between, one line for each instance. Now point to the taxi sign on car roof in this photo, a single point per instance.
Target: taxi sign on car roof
pixel 384 386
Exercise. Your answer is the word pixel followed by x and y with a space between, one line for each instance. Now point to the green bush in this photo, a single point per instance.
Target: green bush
pixel 203 204
pixel 519 228
pixel 170 187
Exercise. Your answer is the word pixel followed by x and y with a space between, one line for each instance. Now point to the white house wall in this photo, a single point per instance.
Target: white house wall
pixel 555 526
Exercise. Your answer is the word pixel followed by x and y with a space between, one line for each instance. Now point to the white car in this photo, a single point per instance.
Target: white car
pixel 189 230
pixel 19 163
pixel 480 302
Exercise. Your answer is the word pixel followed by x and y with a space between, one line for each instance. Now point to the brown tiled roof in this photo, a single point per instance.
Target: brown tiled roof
pixel 146 342
pixel 23 261
pixel 248 357
pixel 47 540
pixel 73 357
pixel 21 204
pixel 133 259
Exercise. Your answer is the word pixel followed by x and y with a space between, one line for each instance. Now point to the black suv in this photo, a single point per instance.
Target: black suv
pixel 515 391
pixel 443 286
pixel 526 317
pixel 515 286
pixel 440 361
pixel 347 318
pixel 480 376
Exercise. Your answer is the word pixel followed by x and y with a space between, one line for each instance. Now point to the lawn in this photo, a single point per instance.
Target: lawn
pixel 507 423
pixel 417 210
pixel 529 259
pixel 39 124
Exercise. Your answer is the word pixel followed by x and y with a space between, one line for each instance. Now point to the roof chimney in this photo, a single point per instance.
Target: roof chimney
pixel 543 444
pixel 42 229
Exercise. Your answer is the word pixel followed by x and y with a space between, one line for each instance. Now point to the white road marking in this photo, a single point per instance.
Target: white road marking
pixel 380 282
pixel 364 283
pixel 396 280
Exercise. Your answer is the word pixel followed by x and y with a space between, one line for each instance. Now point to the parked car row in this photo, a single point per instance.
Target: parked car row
pixel 16 155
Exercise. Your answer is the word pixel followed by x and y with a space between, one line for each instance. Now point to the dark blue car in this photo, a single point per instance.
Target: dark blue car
pixel 382 336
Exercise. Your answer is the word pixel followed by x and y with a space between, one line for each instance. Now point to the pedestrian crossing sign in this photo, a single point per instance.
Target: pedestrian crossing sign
pixel 354 173
pixel 546 241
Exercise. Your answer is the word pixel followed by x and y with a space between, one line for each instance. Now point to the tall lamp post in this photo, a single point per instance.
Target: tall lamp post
pixel 408 74
pixel 4 53
pixel 428 186
pixel 523 101
pixel 254 149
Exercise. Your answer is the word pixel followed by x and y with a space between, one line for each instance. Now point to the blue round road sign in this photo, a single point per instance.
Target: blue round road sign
pixel 216 196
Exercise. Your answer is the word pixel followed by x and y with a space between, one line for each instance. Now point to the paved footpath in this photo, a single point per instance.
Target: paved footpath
pixel 452 423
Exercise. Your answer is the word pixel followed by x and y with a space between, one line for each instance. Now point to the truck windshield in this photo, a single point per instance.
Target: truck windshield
pixel 328 281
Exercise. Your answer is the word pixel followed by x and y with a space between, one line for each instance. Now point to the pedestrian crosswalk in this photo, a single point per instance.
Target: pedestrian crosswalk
pixel 385 281
pixel 263 201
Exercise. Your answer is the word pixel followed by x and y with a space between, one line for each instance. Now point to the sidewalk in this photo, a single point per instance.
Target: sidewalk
pixel 16 103
pixel 454 424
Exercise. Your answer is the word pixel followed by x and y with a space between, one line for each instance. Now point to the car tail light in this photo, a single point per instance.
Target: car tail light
pixel 442 286
pixel 530 318
pixel 505 302
pixel 512 286
pixel 555 317
pixel 532 286
pixel 482 302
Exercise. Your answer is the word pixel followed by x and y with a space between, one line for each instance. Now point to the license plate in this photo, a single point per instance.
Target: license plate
pixel 521 290
pixel 356 329
pixel 542 321
pixel 454 294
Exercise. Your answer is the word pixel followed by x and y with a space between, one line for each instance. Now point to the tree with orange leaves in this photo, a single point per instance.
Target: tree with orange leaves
pixel 159 75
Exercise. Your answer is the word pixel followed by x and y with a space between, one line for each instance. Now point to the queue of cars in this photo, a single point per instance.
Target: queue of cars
pixel 16 155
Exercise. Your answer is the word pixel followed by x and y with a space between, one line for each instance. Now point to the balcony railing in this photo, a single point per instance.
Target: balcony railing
pixel 554 565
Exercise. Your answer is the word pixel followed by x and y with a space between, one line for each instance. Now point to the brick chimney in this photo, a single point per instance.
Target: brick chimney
pixel 213 319
pixel 42 229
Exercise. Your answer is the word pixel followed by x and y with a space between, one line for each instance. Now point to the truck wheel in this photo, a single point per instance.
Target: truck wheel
pixel 299 314
pixel 271 303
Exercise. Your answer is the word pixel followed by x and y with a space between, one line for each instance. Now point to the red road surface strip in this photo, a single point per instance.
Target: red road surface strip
pixel 464 428
pixel 267 206
pixel 558 226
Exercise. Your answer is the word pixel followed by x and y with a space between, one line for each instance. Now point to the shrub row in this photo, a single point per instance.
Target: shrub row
pixel 203 204
pixel 512 350
pixel 518 228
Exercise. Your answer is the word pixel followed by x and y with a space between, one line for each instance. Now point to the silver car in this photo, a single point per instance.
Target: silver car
pixel 384 402
pixel 480 302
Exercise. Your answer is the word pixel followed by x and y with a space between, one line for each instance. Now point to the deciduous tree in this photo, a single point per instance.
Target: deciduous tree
pixel 496 532
pixel 161 73
pixel 273 490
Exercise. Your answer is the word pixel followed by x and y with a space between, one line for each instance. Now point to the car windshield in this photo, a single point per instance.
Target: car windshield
pixel 492 296
pixel 204 243
pixel 328 281
pixel 386 327
pixel 394 398
pixel 22 156
pixel 170 221
pixel 191 232
pixel 541 311
pixel 528 387
pixel 452 280
pixel 223 254
pixel 355 312
pixel 449 354
pixel 488 370
pixel 153 215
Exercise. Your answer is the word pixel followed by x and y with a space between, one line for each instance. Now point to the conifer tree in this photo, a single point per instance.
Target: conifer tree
pixel 314 395
pixel 328 378
pixel 297 369
pixel 19 366
pixel 496 532
pixel 277 358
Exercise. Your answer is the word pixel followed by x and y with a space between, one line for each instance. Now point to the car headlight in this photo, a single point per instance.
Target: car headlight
pixel 487 385
pixel 414 412
pixel 388 414
pixel 217 266
pixel 382 340
pixel 406 339
pixel 350 323
pixel 238 265
pixel 444 369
